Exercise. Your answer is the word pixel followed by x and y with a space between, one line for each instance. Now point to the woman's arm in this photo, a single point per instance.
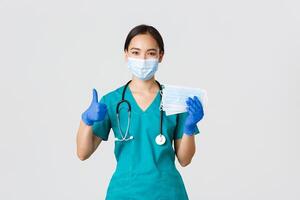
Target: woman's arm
pixel 87 142
pixel 185 149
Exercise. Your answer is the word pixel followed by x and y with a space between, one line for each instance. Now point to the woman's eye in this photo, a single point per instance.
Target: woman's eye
pixel 134 52
pixel 152 53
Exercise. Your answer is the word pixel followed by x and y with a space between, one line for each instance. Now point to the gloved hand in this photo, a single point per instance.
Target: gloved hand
pixel 195 114
pixel 95 112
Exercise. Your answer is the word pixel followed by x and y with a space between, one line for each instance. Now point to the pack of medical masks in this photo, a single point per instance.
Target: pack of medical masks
pixel 174 98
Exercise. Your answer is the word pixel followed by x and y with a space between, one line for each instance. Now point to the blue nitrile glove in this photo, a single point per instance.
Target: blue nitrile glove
pixel 95 112
pixel 195 114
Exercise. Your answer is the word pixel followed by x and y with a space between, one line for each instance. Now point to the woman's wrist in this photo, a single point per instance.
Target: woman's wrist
pixel 189 130
pixel 86 120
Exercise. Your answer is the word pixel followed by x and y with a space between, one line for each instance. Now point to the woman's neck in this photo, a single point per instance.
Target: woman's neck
pixel 141 86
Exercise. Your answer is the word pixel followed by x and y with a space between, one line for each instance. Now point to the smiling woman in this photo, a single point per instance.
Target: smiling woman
pixel 145 165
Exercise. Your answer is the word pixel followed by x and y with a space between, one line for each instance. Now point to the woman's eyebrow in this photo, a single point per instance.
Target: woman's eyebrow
pixel 151 49
pixel 134 48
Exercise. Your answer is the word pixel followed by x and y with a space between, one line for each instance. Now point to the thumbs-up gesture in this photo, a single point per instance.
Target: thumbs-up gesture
pixel 95 112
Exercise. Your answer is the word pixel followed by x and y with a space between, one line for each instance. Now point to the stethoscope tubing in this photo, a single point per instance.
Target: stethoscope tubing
pixel 123 100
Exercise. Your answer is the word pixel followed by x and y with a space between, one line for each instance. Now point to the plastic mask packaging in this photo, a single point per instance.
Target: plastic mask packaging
pixel 174 98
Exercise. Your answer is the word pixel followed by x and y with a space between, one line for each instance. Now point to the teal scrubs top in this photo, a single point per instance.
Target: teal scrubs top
pixel 144 170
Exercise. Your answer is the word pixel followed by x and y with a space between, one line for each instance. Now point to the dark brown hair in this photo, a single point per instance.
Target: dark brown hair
pixel 144 29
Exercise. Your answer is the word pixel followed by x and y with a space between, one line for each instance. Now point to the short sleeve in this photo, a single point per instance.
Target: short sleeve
pixel 101 129
pixel 178 132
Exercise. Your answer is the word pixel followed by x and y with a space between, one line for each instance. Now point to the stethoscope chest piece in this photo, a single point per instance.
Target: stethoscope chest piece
pixel 160 139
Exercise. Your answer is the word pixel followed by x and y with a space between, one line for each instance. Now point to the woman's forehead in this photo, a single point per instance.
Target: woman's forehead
pixel 143 41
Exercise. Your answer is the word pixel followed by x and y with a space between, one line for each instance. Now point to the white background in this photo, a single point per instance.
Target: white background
pixel 245 54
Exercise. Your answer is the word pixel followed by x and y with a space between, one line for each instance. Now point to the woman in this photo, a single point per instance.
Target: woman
pixel 145 159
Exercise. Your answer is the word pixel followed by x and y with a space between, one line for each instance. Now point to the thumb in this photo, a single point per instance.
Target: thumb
pixel 95 96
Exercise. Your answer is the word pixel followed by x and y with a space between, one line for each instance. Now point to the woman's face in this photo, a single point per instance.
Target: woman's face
pixel 143 46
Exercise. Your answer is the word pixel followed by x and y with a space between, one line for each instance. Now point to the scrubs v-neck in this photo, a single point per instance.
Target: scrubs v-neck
pixel 144 170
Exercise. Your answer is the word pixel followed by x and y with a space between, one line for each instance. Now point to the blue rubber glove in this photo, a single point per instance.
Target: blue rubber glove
pixel 195 114
pixel 95 112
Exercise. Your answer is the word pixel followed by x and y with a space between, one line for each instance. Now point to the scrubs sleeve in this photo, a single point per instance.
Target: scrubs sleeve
pixel 101 129
pixel 178 133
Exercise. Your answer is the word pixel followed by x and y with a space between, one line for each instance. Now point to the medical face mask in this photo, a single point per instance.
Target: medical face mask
pixel 174 98
pixel 144 69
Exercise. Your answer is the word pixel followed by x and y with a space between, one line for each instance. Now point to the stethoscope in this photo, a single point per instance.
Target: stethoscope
pixel 160 138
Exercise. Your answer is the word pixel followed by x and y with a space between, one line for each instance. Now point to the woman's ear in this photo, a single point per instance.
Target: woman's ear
pixel 126 55
pixel 161 55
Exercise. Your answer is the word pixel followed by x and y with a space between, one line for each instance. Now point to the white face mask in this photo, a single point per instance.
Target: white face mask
pixel 174 98
pixel 144 69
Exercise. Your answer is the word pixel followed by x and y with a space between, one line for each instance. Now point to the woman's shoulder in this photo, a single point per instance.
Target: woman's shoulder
pixel 113 95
